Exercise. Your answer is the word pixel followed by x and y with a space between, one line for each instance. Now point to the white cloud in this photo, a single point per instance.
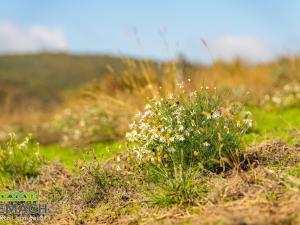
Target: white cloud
pixel 17 39
pixel 248 48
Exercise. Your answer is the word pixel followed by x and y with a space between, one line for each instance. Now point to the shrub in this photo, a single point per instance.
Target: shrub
pixel 288 96
pixel 184 133
pixel 20 159
pixel 91 122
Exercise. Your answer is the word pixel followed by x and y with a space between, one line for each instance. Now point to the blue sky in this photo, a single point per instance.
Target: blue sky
pixel 257 30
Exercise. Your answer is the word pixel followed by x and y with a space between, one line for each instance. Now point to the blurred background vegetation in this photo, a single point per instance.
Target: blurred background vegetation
pixel 86 99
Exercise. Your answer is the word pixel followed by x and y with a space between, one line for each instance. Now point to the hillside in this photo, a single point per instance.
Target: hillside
pixel 44 76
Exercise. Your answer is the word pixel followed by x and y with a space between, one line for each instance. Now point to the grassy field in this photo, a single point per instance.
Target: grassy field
pixel 275 124
pixel 270 125
pixel 26 75
pixel 68 156
pixel 147 144
pixel 266 186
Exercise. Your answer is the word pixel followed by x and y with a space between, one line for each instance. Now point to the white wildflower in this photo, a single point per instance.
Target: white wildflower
pixel 180 85
pixel 162 139
pixel 171 150
pixel 130 136
pixel 181 138
pixel 158 103
pixel 193 94
pixel 206 144
pixel 139 155
pixel 137 115
pixel 216 115
pixel 170 96
pixel 119 169
pixel 149 113
pixel 247 114
pixel 147 107
pixel 155 136
pixel 248 122
pixel 22 145
pixel 193 123
pixel 11 135
pixel 131 125
pixel 187 133
pixel 181 128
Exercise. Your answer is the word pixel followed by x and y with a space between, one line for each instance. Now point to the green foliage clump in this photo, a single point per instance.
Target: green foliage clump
pixel 89 123
pixel 188 131
pixel 184 188
pixel 20 159
pixel 182 134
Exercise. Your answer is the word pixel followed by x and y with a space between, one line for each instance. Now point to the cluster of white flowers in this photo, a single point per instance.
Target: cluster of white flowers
pixel 25 142
pixel 155 129
pixel 169 125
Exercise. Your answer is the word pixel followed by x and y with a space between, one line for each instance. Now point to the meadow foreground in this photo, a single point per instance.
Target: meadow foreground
pixel 162 149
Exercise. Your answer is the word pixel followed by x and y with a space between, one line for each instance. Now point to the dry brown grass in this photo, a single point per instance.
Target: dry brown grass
pixel 261 193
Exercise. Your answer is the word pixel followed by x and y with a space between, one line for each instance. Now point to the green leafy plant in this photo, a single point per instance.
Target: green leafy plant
pixel 175 136
pixel 183 188
pixel 185 131
pixel 20 159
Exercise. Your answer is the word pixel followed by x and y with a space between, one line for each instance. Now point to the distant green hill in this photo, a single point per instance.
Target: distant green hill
pixel 45 76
